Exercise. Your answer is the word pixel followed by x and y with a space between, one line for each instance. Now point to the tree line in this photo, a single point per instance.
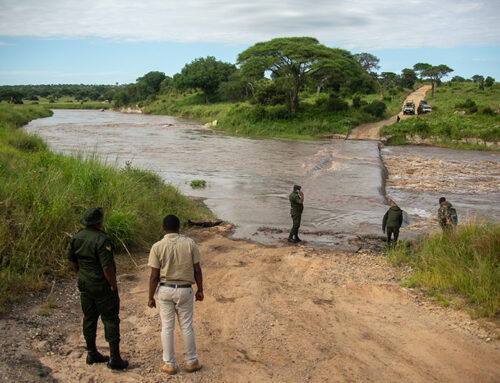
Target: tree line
pixel 268 73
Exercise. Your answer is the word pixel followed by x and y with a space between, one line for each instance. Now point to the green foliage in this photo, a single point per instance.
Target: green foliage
pixel 465 262
pixel 336 104
pixel 43 196
pixel 196 184
pixel 376 108
pixel 205 74
pixel 293 60
pixel 489 82
pixel 268 93
pixel 408 78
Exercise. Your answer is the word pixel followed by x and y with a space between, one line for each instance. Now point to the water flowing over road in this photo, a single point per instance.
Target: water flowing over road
pixel 248 180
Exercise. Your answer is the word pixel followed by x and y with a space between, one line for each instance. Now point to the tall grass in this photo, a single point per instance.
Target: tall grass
pixel 43 196
pixel 465 261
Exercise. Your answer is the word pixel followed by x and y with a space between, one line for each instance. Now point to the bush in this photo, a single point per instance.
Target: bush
pixel 376 108
pixel 488 111
pixel 469 103
pixel 195 184
pixel 336 104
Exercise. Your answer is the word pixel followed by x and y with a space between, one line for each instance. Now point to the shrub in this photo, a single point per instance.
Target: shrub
pixel 336 104
pixel 198 184
pixel 376 108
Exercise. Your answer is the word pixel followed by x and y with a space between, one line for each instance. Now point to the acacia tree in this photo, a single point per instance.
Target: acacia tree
pixel 369 64
pixel 436 73
pixel 205 74
pixel 291 61
pixel 420 68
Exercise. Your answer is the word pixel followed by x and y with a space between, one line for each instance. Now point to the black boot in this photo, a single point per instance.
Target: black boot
pixel 116 362
pixel 297 239
pixel 291 239
pixel 94 356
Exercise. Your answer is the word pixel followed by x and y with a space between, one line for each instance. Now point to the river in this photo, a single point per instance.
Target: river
pixel 249 180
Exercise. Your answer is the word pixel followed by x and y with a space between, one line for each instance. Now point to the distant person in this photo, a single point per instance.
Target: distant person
pixel 175 266
pixel 398 118
pixel 90 255
pixel 392 221
pixel 296 207
pixel 447 215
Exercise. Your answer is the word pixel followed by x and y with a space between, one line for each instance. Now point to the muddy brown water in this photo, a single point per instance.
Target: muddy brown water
pixel 249 180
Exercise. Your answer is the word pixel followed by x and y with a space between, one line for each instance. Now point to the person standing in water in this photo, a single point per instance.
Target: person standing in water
pixel 296 207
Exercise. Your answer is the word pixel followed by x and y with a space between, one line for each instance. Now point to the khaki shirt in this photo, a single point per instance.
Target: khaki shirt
pixel 175 256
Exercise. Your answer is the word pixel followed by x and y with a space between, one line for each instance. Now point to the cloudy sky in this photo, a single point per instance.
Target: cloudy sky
pixel 108 41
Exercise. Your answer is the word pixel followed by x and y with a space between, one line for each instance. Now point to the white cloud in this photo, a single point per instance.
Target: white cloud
pixel 4 44
pixel 351 24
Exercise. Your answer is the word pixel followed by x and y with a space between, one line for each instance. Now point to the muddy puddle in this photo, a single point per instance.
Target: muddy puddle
pixel 248 180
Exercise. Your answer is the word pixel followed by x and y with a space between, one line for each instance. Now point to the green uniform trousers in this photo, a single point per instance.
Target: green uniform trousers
pixel 296 224
pixel 392 231
pixel 105 304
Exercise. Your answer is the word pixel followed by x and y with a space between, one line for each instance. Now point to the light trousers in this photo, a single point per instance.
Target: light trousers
pixel 176 302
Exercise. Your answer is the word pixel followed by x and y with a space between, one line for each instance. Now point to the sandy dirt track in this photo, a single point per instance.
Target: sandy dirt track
pixel 289 314
pixel 370 131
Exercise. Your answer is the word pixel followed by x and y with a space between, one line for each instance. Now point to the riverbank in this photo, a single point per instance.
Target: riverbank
pixel 43 196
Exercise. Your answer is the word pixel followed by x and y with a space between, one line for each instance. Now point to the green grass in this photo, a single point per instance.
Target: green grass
pixel 198 184
pixel 242 118
pixel 43 196
pixel 465 263
pixel 448 124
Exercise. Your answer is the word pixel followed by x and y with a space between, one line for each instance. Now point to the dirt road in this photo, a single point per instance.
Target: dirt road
pixel 370 131
pixel 289 314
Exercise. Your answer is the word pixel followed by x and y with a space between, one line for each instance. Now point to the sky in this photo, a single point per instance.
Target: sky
pixel 117 41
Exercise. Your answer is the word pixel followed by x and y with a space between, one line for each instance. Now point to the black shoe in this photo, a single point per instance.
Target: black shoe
pixel 95 356
pixel 297 239
pixel 115 361
pixel 291 239
pixel 118 364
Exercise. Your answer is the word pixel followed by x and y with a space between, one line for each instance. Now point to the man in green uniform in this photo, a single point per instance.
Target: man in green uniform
pixel 447 215
pixel 392 221
pixel 296 207
pixel 90 255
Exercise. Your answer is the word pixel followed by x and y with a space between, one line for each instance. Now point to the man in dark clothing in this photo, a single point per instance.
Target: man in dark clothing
pixel 296 207
pixel 447 215
pixel 90 255
pixel 393 219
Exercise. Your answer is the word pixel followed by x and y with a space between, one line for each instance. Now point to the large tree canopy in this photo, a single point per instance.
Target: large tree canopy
pixel 205 74
pixel 291 60
pixel 435 73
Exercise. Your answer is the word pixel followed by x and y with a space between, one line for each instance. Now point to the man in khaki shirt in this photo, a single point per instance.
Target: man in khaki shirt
pixel 175 266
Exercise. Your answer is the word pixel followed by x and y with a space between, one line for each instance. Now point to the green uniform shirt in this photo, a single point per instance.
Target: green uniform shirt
pixel 92 250
pixel 296 208
pixel 393 217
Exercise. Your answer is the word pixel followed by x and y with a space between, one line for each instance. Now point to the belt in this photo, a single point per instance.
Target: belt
pixel 175 286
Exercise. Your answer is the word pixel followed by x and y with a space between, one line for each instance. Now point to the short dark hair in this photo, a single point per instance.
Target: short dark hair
pixel 442 199
pixel 171 222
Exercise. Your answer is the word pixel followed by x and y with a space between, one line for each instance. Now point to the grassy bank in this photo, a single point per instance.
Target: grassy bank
pixel 461 112
pixel 464 265
pixel 314 118
pixel 43 196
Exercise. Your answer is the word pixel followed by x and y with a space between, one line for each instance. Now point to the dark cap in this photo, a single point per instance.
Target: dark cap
pixel 297 187
pixel 92 216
